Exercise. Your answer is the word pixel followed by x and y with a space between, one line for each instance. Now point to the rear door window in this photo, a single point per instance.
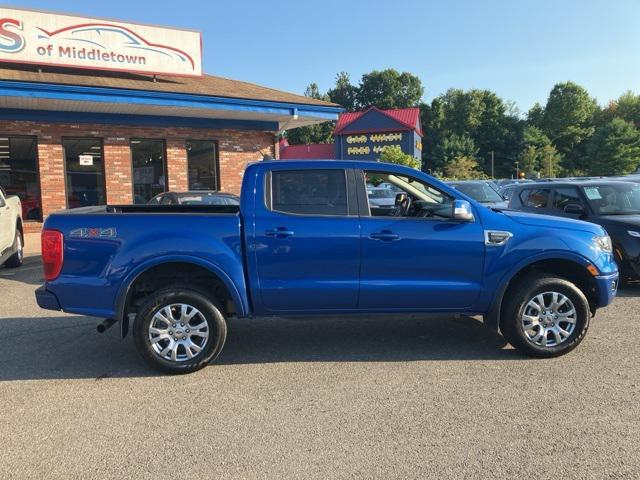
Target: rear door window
pixel 537 198
pixel 309 192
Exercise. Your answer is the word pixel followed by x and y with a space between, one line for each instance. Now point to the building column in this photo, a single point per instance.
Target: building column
pixel 52 176
pixel 117 170
pixel 177 165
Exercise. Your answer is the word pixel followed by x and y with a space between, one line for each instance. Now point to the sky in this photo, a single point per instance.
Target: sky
pixel 519 48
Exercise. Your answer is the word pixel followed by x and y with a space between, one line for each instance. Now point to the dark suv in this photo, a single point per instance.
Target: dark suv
pixel 615 205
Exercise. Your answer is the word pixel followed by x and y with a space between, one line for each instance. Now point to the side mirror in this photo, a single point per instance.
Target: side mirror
pixel 462 211
pixel 574 209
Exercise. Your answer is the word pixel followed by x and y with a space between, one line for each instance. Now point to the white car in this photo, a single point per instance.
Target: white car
pixel 11 235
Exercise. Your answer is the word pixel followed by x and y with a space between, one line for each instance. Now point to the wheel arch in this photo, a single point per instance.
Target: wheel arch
pixel 569 266
pixel 174 264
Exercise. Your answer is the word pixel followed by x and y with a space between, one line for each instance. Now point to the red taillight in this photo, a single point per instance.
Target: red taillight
pixel 52 253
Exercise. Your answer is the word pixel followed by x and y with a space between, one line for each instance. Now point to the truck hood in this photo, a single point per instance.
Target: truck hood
pixel 548 221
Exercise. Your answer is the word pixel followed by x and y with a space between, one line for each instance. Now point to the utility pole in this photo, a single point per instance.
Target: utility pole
pixel 492 174
pixel 549 160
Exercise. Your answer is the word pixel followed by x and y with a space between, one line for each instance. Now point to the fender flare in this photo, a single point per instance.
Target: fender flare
pixel 492 319
pixel 129 280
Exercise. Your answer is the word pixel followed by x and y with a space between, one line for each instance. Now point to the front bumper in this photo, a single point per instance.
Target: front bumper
pixel 46 299
pixel 606 289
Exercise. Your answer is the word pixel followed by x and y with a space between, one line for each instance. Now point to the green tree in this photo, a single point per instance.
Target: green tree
pixel 344 93
pixel 614 149
pixel 389 89
pixel 568 121
pixel 463 168
pixel 529 161
pixel 320 133
pixel 551 162
pixel 394 154
pixel 536 153
pixel 535 116
pixel 491 124
pixel 450 147
pixel 627 107
pixel 533 136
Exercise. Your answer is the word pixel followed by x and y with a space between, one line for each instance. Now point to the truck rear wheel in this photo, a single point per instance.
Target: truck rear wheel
pixel 545 316
pixel 179 330
pixel 15 260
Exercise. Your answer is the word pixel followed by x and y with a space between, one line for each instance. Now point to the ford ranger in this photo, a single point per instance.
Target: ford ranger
pixel 306 240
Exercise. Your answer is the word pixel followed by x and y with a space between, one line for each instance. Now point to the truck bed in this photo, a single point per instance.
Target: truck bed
pixel 106 246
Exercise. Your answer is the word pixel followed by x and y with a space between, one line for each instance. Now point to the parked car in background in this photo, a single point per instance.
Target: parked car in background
pixel 196 197
pixel 615 205
pixel 481 191
pixel 306 241
pixel 11 234
pixel 493 184
pixel 31 209
pixel 633 178
pixel 381 197
pixel 511 181
pixel 506 191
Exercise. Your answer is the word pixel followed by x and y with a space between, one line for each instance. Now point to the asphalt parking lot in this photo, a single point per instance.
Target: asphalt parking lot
pixel 324 398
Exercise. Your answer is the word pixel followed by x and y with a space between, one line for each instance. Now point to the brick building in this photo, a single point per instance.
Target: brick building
pixel 73 137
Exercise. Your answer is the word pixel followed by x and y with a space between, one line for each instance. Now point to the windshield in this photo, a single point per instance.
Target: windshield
pixel 619 199
pixel 479 191
pixel 381 193
pixel 206 199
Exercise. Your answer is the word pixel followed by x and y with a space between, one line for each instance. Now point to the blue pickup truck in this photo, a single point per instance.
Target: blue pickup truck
pixel 306 240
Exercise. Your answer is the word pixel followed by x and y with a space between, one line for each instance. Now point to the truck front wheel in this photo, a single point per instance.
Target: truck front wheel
pixel 179 330
pixel 545 316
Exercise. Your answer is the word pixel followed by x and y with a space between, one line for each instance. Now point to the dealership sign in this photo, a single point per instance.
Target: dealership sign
pixel 51 39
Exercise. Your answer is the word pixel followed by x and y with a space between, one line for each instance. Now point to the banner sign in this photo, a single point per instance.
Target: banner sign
pixel 52 39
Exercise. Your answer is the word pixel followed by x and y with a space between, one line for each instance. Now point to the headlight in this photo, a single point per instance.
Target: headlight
pixel 603 243
pixel 633 234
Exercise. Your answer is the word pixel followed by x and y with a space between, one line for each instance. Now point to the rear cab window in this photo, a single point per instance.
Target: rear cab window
pixel 309 192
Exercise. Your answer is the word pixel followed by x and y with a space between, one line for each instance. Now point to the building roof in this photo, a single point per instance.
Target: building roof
pixel 408 117
pixel 65 94
pixel 317 151
pixel 206 85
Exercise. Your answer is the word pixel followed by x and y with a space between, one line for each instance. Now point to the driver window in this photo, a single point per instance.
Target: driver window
pixel 392 195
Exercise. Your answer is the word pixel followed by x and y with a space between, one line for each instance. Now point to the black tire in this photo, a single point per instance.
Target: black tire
pixel 208 308
pixel 15 260
pixel 513 328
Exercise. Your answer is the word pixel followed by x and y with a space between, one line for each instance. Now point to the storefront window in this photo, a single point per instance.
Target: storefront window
pixel 149 177
pixel 19 173
pixel 203 165
pixel 84 163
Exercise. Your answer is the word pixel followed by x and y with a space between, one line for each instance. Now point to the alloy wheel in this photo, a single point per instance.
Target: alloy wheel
pixel 178 332
pixel 549 319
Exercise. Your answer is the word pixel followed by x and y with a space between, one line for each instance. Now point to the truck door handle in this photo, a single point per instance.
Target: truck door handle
pixel 385 236
pixel 280 232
